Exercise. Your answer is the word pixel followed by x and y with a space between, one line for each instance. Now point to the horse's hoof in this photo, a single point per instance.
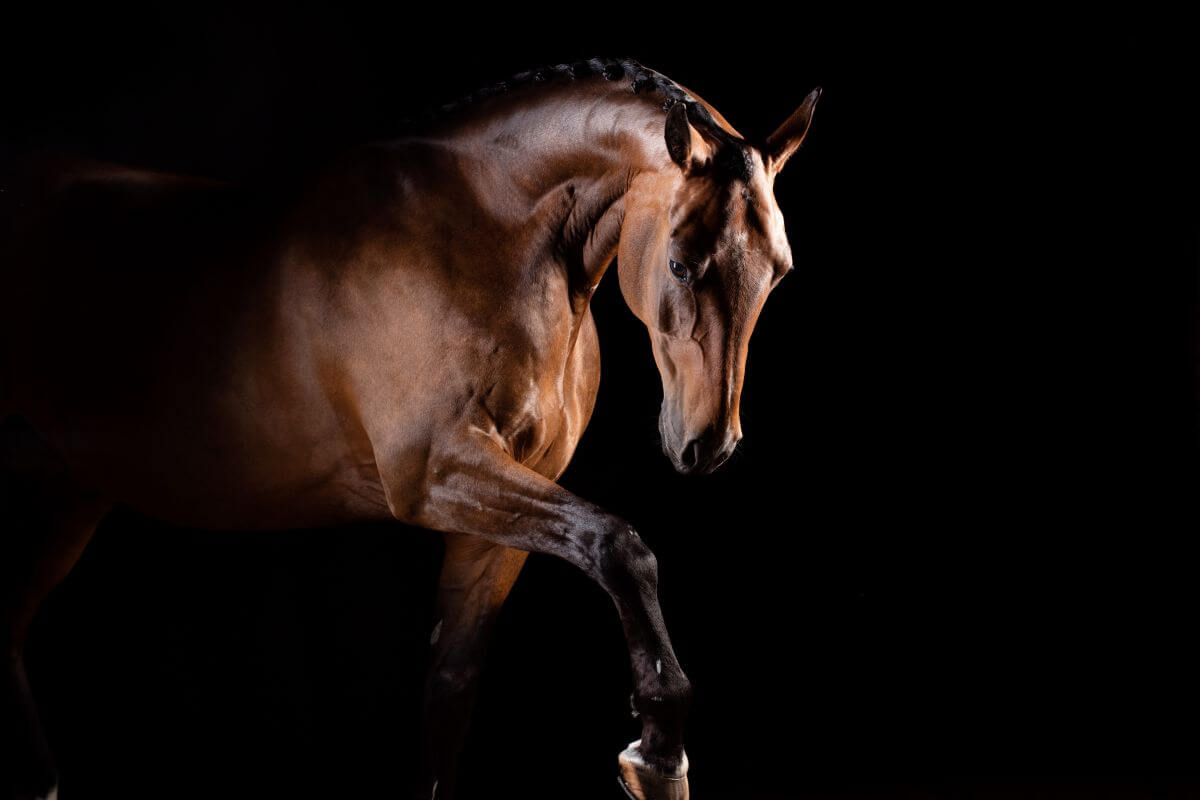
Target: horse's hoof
pixel 642 782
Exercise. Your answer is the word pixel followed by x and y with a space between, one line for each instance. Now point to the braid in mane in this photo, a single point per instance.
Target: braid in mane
pixel 731 157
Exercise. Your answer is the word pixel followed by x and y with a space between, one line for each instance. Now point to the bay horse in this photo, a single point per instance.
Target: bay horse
pixel 405 335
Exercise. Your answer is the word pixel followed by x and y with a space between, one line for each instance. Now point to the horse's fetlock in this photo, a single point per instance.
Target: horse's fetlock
pixel 671 695
pixel 681 692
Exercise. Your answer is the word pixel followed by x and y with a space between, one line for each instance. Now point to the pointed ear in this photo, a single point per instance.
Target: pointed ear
pixel 686 146
pixel 788 137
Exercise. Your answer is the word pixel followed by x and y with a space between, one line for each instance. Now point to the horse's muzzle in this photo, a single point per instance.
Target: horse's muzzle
pixel 703 454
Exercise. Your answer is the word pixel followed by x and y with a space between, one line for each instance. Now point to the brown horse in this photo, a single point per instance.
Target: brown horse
pixel 406 336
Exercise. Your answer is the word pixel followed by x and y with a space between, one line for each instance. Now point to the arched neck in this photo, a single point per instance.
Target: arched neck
pixel 557 163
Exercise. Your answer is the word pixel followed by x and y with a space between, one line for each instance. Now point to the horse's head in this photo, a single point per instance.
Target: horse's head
pixel 702 245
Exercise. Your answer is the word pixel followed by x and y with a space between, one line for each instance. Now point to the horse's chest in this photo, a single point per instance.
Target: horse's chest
pixel 540 409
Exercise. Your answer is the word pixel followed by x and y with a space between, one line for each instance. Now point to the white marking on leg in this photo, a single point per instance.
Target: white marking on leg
pixel 53 795
pixel 435 783
pixel 658 666
pixel 633 755
pixel 437 631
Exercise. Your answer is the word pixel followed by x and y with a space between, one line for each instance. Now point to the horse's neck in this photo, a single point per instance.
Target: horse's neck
pixel 556 165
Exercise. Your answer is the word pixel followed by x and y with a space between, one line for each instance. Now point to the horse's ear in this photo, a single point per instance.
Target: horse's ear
pixel 788 137
pixel 686 146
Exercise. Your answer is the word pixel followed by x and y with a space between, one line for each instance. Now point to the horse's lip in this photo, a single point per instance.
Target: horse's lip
pixel 675 461
pixel 700 469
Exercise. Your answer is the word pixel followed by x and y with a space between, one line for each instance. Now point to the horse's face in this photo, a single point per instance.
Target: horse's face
pixel 701 248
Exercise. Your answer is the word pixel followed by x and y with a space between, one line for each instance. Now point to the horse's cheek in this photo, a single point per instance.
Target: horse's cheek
pixel 676 313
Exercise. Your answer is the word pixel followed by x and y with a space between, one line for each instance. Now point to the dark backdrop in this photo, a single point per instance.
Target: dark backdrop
pixel 954 550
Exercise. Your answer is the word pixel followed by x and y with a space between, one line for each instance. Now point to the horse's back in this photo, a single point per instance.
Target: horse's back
pixel 146 335
pixel 64 218
pixel 43 191
pixel 97 262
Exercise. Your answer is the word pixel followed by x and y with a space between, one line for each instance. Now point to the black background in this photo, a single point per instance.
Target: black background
pixel 954 552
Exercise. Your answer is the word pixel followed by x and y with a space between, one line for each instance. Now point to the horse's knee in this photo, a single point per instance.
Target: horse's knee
pixel 621 557
pixel 640 560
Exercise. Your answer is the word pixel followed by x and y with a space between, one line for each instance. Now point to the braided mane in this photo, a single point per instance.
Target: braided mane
pixel 731 155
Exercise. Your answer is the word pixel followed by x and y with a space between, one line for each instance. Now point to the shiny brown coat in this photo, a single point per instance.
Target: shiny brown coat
pixel 407 336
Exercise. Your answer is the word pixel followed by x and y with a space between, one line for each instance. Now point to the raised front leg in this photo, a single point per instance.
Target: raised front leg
pixel 474 487
pixel 475 579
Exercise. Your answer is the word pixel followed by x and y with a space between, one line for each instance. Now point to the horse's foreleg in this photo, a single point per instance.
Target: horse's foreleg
pixel 475 580
pixel 43 531
pixel 476 488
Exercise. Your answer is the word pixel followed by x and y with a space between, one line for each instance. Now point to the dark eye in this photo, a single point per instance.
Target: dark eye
pixel 680 271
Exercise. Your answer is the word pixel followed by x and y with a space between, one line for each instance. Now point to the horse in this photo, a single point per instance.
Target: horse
pixel 403 335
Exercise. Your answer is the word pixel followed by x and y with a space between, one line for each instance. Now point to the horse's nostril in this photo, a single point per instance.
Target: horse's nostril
pixel 691 454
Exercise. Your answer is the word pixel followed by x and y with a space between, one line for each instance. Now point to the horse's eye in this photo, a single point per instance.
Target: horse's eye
pixel 680 271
